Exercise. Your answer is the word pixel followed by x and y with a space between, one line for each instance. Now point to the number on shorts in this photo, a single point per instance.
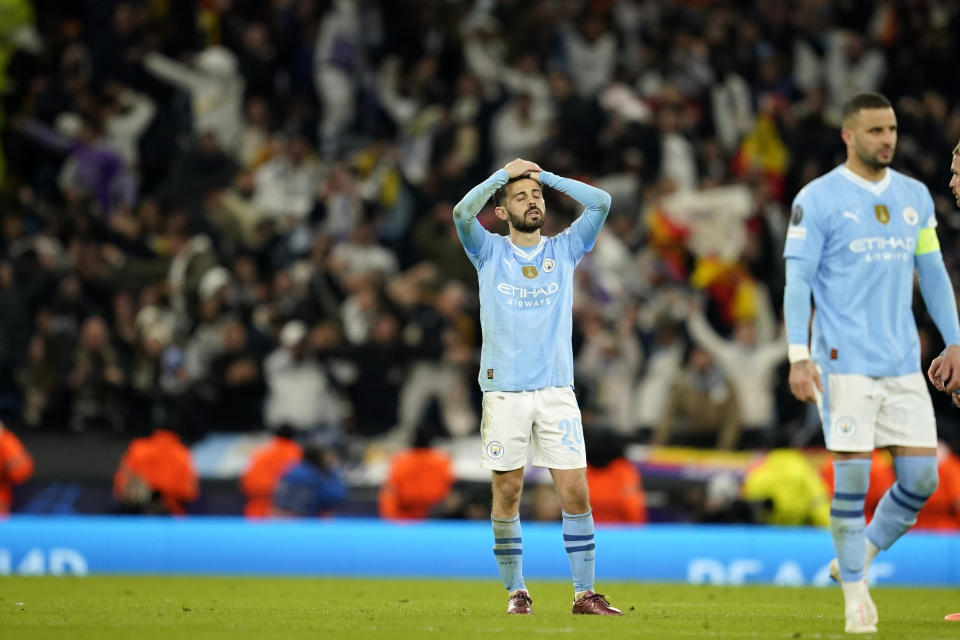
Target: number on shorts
pixel 574 430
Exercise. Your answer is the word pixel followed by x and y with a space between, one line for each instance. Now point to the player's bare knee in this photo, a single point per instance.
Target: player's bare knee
pixel 575 500
pixel 507 492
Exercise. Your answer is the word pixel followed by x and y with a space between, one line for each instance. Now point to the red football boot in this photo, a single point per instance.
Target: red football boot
pixel 595 604
pixel 520 602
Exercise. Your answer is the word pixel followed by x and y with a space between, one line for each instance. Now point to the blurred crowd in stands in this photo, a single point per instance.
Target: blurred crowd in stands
pixel 235 215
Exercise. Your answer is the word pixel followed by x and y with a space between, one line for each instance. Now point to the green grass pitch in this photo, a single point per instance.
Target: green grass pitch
pixel 167 608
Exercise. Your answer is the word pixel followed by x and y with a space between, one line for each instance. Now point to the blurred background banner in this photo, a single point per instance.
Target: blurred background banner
pixel 363 547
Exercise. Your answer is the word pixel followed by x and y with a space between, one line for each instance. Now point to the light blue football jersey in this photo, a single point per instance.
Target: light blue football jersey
pixel 526 293
pixel 862 238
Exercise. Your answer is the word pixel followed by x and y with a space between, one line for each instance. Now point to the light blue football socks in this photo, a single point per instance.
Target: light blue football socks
pixel 578 541
pixel 508 550
pixel 916 481
pixel 851 480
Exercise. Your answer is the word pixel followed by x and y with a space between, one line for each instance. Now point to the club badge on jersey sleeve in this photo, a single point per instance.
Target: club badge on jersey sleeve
pixel 795 231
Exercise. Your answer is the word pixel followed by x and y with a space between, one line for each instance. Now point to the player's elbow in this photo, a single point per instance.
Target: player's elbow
pixel 604 201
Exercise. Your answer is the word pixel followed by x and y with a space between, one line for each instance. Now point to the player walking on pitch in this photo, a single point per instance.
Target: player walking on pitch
pixel 856 235
pixel 526 363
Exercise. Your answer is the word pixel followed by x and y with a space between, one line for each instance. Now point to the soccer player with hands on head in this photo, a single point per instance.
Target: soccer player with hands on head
pixel 856 236
pixel 526 363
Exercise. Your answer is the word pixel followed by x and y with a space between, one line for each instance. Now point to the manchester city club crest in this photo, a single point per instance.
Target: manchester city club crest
pixel 494 450
pixel 910 216
pixel 846 426
pixel 530 271
pixel 548 265
pixel 882 213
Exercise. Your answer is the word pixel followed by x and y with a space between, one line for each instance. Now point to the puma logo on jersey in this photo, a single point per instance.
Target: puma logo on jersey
pixel 853 216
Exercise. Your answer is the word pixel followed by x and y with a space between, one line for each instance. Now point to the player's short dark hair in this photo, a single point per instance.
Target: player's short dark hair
pixel 866 100
pixel 501 194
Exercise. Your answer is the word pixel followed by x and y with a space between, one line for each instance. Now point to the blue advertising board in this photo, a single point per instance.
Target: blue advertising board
pixel 80 545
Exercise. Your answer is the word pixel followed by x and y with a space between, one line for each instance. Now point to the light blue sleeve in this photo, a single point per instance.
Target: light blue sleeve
pixel 472 234
pixel 796 300
pixel 937 292
pixel 596 204
pixel 804 245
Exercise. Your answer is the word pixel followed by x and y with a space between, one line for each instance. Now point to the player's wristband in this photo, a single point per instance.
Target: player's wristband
pixel 797 352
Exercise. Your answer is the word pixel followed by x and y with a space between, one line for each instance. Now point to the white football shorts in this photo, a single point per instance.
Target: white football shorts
pixel 545 420
pixel 860 413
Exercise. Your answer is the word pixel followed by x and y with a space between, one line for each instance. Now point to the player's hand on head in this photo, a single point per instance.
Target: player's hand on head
pixel 949 371
pixel 933 373
pixel 518 167
pixel 804 379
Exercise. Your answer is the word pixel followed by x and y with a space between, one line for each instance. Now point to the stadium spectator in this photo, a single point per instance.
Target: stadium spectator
pixel 791 486
pixel 156 475
pixel 608 362
pixel 519 129
pixel 236 383
pixel 126 114
pixel 615 485
pixel 16 467
pixel 96 379
pixel 338 59
pixel 418 480
pixel 749 361
pixel 663 364
pixel 591 53
pixel 93 171
pixel 701 409
pixel 266 466
pixel 215 88
pixel 299 390
pixel 286 185
pixel 311 487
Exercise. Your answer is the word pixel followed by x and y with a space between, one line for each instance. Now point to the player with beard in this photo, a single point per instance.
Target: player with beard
pixel 526 363
pixel 856 236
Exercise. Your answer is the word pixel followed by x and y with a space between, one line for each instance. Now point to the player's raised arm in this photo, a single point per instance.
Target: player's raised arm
pixel 596 203
pixel 471 234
